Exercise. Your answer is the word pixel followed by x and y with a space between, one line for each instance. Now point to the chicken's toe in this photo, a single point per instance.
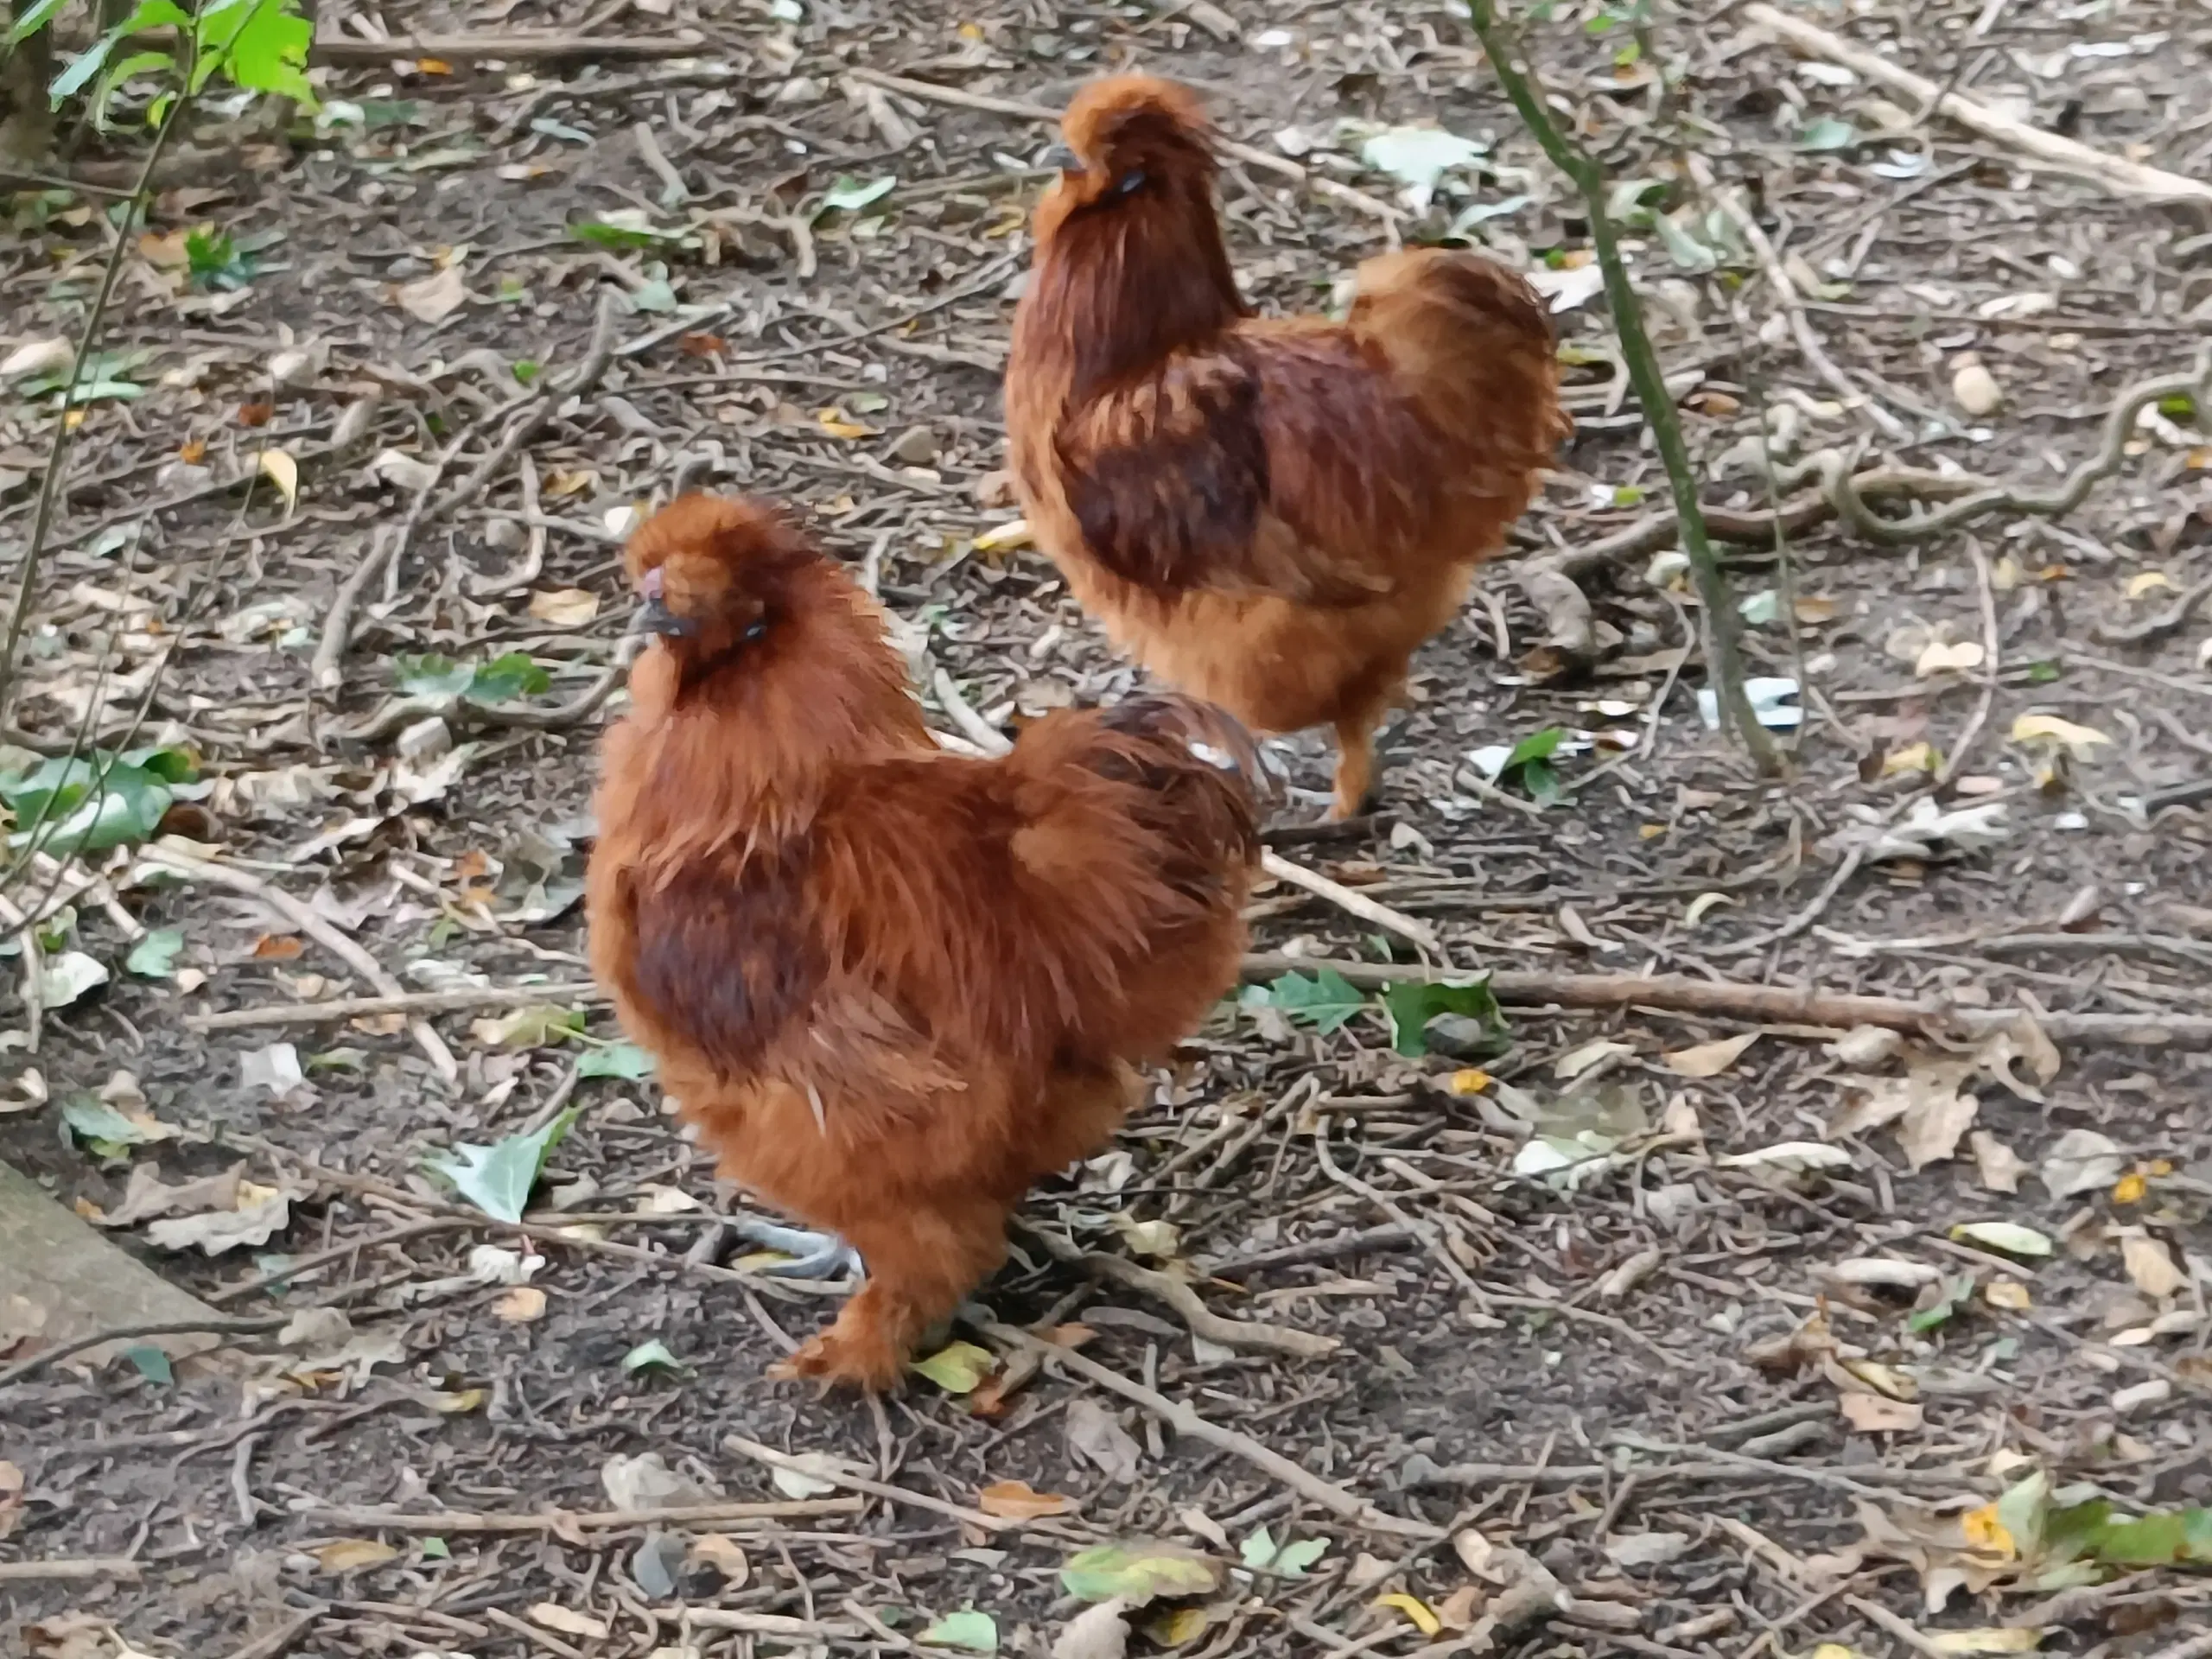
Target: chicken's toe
pixel 814 1256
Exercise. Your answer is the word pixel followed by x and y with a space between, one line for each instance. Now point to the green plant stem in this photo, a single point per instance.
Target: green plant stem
pixel 49 489
pixel 1722 642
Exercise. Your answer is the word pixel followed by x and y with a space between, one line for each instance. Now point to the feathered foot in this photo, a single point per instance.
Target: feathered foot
pixel 815 1256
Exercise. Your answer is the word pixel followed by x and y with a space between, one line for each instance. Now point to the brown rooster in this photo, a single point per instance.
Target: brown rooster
pixel 894 986
pixel 1270 513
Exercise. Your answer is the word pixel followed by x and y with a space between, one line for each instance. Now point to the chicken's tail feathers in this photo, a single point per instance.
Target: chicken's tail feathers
pixel 1473 338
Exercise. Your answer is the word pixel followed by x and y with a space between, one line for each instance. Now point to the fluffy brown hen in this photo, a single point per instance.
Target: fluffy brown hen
pixel 1270 513
pixel 892 985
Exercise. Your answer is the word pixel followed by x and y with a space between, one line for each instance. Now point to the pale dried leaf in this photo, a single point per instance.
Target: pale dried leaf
pixel 1999 1166
pixel 1710 1059
pixel 434 297
pixel 1875 1413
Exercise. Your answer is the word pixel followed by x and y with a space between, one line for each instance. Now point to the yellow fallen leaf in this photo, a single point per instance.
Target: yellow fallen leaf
pixel 456 1402
pixel 1983 1531
pixel 1650 831
pixel 564 608
pixel 2079 739
pixel 350 1555
pixel 284 472
pixel 433 67
pixel 1914 757
pixel 1179 1629
pixel 1709 1059
pixel 1940 658
pixel 520 1306
pixel 2009 1294
pixel 2130 1188
pixel 724 1555
pixel 1004 538
pixel 1833 1650
pixel 838 424
pixel 1414 1608
pixel 570 483
pixel 1017 1501
pixel 1472 1080
pixel 2025 1639
pixel 2141 584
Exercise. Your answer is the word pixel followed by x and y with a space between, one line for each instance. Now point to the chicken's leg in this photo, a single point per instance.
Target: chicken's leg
pixel 1355 729
pixel 920 1263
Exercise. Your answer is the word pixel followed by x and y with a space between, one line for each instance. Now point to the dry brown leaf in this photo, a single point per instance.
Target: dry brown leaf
pixel 434 297
pixel 520 1306
pixel 1999 1166
pixel 1932 1126
pixel 1016 1500
pixel 1874 1414
pixel 2151 1265
pixel 564 608
pixel 1709 1059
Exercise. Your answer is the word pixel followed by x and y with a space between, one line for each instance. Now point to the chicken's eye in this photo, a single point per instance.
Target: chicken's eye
pixel 755 629
pixel 1129 182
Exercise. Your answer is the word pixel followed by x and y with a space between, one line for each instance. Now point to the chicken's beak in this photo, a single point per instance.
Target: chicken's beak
pixel 1061 157
pixel 654 617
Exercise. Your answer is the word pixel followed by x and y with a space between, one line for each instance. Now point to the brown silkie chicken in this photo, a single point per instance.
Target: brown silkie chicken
pixel 1271 514
pixel 894 986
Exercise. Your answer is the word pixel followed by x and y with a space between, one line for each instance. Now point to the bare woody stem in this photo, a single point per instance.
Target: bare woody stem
pixel 1723 646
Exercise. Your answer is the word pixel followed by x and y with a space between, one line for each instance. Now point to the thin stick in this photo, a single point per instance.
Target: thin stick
pixel 1723 653
pixel 1353 903
pixel 1206 1324
pixel 1280 166
pixel 962 713
pixel 463 1520
pixel 1993 651
pixel 193 868
pixel 1768 1004
pixel 1187 1423
pixel 217 1325
pixel 1793 306
pixel 2064 155
pixel 884 1489
pixel 86 1567
pixel 456 1000
pixel 519 47
pixel 57 450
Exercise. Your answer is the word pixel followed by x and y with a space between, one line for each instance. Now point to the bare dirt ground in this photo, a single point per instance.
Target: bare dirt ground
pixel 491 310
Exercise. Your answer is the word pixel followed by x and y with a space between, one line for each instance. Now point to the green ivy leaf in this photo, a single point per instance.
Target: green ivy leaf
pixel 1138 1573
pixel 504 678
pixel 155 955
pixel 1324 1002
pixel 1410 1009
pixel 151 1362
pixel 624 1061
pixel 847 195
pixel 432 676
pixel 976 1632
pixel 653 1356
pixel 958 1368
pixel 498 1179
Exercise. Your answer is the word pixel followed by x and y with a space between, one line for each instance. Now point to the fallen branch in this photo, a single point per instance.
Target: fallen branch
pixel 1206 1324
pixel 1766 1004
pixel 558 1521
pixel 1351 903
pixel 1793 305
pixel 168 857
pixel 1185 1421
pixel 1282 166
pixel 519 48
pixel 24 1369
pixel 326 673
pixel 1840 494
pixel 2065 154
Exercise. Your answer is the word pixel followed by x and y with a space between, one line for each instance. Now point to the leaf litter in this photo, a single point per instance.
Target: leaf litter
pixel 1693 1183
